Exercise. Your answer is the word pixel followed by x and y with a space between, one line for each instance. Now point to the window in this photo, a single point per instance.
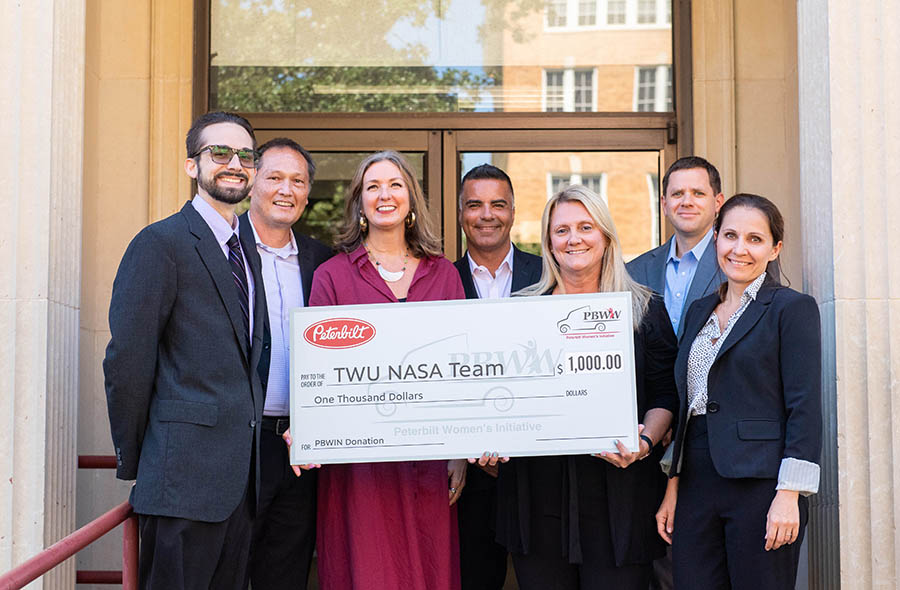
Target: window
pixel 553 91
pixel 556 13
pixel 584 91
pixel 615 12
pixel 653 191
pixel 595 182
pixel 557 183
pixel 569 90
pixel 587 13
pixel 653 89
pixel 646 12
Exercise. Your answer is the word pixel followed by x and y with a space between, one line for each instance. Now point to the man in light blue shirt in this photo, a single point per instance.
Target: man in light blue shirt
pixel 685 268
pixel 284 530
pixel 679 275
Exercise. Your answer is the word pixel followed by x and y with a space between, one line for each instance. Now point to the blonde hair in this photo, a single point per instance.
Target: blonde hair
pixel 613 276
pixel 421 237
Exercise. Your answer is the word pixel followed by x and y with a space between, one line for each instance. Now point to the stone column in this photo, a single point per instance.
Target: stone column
pixel 40 239
pixel 712 39
pixel 849 81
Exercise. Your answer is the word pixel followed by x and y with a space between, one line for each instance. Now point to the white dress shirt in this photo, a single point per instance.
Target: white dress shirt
pixel 494 286
pixel 223 232
pixel 284 291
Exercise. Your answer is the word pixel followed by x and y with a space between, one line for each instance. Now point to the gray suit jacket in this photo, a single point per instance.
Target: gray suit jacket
pixel 649 269
pixel 182 390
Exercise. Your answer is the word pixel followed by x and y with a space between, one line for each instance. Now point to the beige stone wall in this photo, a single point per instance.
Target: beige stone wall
pixel 137 110
pixel 850 143
pixel 745 104
pixel 41 109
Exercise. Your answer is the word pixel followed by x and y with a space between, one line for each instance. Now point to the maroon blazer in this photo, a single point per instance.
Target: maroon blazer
pixel 349 279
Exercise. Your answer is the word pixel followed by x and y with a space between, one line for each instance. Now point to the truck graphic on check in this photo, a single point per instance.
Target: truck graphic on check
pixel 587 319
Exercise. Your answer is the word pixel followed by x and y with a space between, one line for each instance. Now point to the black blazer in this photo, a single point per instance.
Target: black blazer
pixel 764 387
pixel 632 495
pixel 310 254
pixel 182 390
pixel 526 272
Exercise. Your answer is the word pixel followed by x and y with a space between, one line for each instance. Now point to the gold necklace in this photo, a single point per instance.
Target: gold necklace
pixel 387 275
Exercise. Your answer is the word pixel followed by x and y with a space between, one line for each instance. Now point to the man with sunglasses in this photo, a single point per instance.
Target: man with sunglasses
pixel 183 392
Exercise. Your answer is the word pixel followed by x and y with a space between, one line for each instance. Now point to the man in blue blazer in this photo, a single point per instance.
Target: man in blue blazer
pixel 684 268
pixel 284 531
pixel 491 268
pixel 183 392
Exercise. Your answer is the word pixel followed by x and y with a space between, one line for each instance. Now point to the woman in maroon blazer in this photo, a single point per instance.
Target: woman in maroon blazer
pixel 387 525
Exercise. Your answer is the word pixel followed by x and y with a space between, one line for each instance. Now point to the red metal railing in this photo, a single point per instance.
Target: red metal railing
pixel 65 548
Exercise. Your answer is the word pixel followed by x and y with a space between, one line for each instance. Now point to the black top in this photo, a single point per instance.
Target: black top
pixel 581 507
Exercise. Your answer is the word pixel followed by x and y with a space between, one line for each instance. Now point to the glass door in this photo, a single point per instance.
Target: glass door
pixel 622 166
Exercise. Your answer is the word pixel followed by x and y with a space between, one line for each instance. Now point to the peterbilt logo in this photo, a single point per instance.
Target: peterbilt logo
pixel 339 333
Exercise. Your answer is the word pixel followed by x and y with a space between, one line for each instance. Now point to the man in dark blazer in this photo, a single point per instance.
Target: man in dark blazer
pixel 684 268
pixel 183 392
pixel 492 267
pixel 284 531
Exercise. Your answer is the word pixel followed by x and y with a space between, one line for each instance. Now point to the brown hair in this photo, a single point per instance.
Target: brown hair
pixel 421 238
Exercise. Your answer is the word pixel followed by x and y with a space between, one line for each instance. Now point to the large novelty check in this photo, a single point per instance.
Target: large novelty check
pixel 453 379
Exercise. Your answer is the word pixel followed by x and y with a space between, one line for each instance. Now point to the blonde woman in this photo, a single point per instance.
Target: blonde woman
pixel 587 522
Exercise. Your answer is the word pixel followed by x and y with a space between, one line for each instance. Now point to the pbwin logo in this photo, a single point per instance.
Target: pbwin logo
pixel 586 319
pixel 339 333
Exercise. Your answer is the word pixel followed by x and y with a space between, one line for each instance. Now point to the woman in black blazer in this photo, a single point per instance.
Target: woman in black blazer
pixel 586 522
pixel 749 426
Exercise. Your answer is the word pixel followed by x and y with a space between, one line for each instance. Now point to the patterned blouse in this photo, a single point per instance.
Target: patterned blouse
pixel 706 346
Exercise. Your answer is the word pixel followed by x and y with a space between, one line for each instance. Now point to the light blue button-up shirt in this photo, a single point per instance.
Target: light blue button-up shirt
pixel 679 274
pixel 284 291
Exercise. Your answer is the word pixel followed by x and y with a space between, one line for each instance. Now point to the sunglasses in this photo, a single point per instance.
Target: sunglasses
pixel 223 154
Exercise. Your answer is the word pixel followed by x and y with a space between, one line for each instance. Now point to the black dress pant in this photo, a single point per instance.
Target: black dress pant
pixel 544 567
pixel 482 560
pixel 284 531
pixel 541 572
pixel 720 527
pixel 182 554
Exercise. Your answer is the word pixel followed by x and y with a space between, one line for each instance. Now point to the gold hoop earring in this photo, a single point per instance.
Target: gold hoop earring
pixel 363 223
pixel 411 219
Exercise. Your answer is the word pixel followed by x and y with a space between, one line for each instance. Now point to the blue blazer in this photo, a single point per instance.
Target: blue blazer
pixel 764 386
pixel 649 269
pixel 526 272
pixel 182 388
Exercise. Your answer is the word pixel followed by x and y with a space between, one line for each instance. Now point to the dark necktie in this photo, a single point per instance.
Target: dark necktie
pixel 236 261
